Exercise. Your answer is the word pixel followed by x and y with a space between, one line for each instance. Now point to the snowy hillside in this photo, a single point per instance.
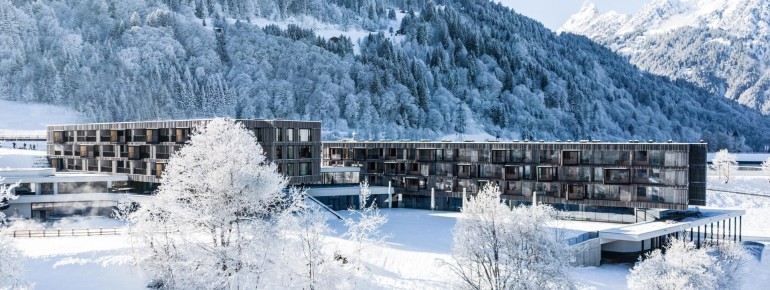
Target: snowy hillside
pixel 19 118
pixel 388 69
pixel 720 45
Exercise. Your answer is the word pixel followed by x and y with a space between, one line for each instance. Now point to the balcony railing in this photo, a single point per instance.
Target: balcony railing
pixel 108 154
pixel 140 138
pixel 123 170
pixel 140 171
pixel 162 155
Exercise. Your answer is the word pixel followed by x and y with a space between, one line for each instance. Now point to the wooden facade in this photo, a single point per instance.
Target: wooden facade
pixel 141 149
pixel 592 174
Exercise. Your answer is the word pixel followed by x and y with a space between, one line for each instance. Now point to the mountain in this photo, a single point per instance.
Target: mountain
pixel 722 46
pixel 381 68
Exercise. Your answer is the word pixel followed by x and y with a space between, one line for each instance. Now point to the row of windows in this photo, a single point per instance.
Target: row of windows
pixel 296 169
pixel 607 175
pixel 559 190
pixel 179 135
pixel 289 152
pixel 556 157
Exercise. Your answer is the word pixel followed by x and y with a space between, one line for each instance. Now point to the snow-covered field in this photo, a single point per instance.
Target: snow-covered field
pixel 414 257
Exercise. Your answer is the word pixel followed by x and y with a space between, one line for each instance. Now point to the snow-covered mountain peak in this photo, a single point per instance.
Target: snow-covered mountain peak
pixel 721 45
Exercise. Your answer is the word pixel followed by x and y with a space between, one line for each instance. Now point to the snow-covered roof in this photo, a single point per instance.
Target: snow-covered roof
pixel 647 230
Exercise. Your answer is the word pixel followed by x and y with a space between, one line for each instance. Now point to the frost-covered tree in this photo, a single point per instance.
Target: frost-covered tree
pixel 683 266
pixel 766 168
pixel 364 227
pixel 304 256
pixel 10 257
pixel 495 247
pixel 208 225
pixel 724 163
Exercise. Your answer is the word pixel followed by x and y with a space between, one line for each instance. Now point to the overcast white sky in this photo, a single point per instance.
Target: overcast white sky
pixel 553 13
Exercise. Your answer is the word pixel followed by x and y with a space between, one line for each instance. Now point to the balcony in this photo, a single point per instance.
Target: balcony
pixel 108 154
pixel 123 170
pixel 140 138
pixel 162 155
pixel 140 171
pixel 118 139
pixel 105 169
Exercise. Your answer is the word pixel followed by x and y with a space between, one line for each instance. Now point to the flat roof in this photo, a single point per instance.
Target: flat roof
pixel 177 120
pixel 504 142
pixel 647 230
pixel 342 190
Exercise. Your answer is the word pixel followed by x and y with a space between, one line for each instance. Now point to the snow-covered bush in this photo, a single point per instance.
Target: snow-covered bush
pixel 364 228
pixel 724 163
pixel 306 262
pixel 10 264
pixel 499 248
pixel 208 225
pixel 683 266
pixel 10 256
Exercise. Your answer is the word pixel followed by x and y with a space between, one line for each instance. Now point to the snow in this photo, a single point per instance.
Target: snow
pixel 328 31
pixel 414 257
pixel 30 119
pixel 20 158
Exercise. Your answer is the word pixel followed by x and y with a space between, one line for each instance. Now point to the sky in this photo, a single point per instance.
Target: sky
pixel 553 13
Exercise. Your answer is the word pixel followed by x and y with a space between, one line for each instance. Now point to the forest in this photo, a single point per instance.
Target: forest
pixel 452 67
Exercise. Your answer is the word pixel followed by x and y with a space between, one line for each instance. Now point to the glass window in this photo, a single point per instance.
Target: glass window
pixel 289 169
pixel 304 168
pixel 598 174
pixel 289 135
pixel 305 152
pixel 278 134
pixel 304 135
pixel 616 176
pixel 289 152
pixel 278 152
pixel 547 173
pixel 570 157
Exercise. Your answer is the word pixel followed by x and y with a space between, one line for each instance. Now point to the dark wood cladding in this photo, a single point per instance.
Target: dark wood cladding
pixel 649 175
pixel 153 142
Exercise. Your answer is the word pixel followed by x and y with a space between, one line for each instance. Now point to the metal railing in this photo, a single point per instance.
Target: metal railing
pixel 582 238
pixel 65 233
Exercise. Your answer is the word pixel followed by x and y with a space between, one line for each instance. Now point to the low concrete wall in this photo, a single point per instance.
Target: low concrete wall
pixel 588 253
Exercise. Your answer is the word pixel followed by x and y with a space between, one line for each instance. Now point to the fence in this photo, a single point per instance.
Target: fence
pixel 65 233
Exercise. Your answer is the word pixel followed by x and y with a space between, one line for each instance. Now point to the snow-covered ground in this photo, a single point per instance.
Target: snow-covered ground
pixel 20 158
pixel 415 256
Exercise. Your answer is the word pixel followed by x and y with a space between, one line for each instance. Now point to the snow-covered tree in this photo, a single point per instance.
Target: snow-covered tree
pixel 683 266
pixel 495 247
pixel 766 168
pixel 10 256
pixel 364 228
pixel 208 225
pixel 307 263
pixel 724 163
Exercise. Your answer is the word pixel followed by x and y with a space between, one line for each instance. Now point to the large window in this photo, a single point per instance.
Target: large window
pixel 290 135
pixel 617 176
pixel 547 173
pixel 304 135
pixel 278 134
pixel 305 152
pixel 279 152
pixel 289 152
pixel 289 169
pixel 570 157
pixel 304 169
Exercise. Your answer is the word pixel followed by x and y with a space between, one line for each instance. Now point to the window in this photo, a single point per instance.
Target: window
pixel 570 157
pixel 305 152
pixel 278 152
pixel 547 173
pixel 616 176
pixel 289 169
pixel 59 136
pixel 290 135
pixel 304 169
pixel 181 135
pixel 641 176
pixel 258 134
pixel 289 152
pixel 278 134
pixel 304 135
pixel 641 193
